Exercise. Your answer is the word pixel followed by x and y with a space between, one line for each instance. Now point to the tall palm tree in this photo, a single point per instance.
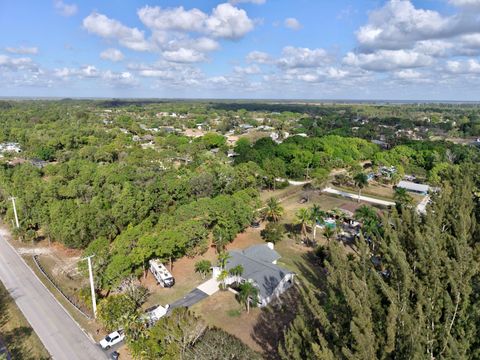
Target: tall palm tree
pixel 222 259
pixel 222 278
pixel 329 233
pixel 365 213
pixel 303 218
pixel 237 272
pixel 203 267
pixel 248 292
pixel 369 219
pixel 361 181
pixel 273 211
pixel 316 215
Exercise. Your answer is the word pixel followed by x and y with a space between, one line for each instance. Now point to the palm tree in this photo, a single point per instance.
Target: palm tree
pixel 248 292
pixel 365 213
pixel 222 259
pixel 316 214
pixel 203 267
pixel 329 233
pixel 369 219
pixel 361 181
pixel 273 211
pixel 303 217
pixel 237 272
pixel 222 278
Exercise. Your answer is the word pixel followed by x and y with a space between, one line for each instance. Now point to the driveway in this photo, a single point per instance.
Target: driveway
pixel 59 333
pixel 191 298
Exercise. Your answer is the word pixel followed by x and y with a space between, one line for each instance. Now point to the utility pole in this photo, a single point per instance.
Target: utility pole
pixel 92 286
pixel 15 211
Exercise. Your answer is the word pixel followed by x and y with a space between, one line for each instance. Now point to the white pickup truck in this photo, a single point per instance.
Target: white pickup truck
pixel 112 339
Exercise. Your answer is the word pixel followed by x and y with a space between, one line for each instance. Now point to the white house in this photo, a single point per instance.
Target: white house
pixel 260 267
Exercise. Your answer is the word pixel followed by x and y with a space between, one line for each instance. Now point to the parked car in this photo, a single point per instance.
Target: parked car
pixel 112 339
pixel 255 224
pixel 115 355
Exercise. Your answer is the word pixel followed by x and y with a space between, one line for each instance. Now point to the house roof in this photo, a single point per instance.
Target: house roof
pixel 408 185
pixel 262 253
pixel 350 207
pixel 257 266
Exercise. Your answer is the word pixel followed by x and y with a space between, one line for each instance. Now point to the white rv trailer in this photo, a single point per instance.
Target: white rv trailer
pixel 163 276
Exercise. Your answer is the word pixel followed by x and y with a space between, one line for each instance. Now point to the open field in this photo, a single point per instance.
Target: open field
pixel 16 332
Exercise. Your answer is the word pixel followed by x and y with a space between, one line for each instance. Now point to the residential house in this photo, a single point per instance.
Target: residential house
pixel 260 267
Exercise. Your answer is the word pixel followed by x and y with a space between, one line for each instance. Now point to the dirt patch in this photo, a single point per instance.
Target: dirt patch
pixel 248 238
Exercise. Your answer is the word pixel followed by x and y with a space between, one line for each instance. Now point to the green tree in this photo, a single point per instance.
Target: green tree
pixel 361 181
pixel 273 232
pixel 203 267
pixel 402 197
pixel 272 211
pixel 248 295
pixel 329 233
pixel 316 215
pixel 274 169
pixel 222 259
pixel 303 218
pixel 416 300
pixel 320 178
pixel 112 311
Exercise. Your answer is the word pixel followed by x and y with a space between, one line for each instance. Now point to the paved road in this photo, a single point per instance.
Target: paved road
pixel 56 329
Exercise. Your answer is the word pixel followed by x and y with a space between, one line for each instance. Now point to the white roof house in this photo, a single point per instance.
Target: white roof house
pixel 414 187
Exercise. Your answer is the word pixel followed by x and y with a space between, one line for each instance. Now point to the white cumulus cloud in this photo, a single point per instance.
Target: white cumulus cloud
pixel 23 50
pixel 293 24
pixel 112 55
pixel 65 9
pixel 105 27
pixel 226 21
pixel 386 60
pixel 293 57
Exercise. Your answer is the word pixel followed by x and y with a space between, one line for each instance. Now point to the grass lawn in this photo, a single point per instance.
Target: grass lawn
pixel 16 332
pixel 224 311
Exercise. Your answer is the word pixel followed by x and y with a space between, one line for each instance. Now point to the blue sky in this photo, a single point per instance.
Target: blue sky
pixel 294 49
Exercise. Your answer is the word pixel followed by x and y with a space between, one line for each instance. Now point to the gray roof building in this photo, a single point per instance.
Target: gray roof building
pixel 259 267
pixel 411 186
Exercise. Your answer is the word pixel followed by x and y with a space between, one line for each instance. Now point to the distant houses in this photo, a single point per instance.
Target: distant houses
pixel 10 147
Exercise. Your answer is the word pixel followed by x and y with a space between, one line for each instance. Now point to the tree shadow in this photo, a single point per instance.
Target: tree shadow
pixel 273 321
pixel 17 342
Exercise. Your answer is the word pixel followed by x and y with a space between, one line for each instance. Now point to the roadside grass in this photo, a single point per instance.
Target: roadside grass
pixel 90 326
pixel 16 332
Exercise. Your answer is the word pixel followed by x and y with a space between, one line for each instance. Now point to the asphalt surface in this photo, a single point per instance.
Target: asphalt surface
pixel 191 298
pixel 59 333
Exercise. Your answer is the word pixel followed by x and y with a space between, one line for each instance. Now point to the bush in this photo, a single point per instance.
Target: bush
pixel 273 232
